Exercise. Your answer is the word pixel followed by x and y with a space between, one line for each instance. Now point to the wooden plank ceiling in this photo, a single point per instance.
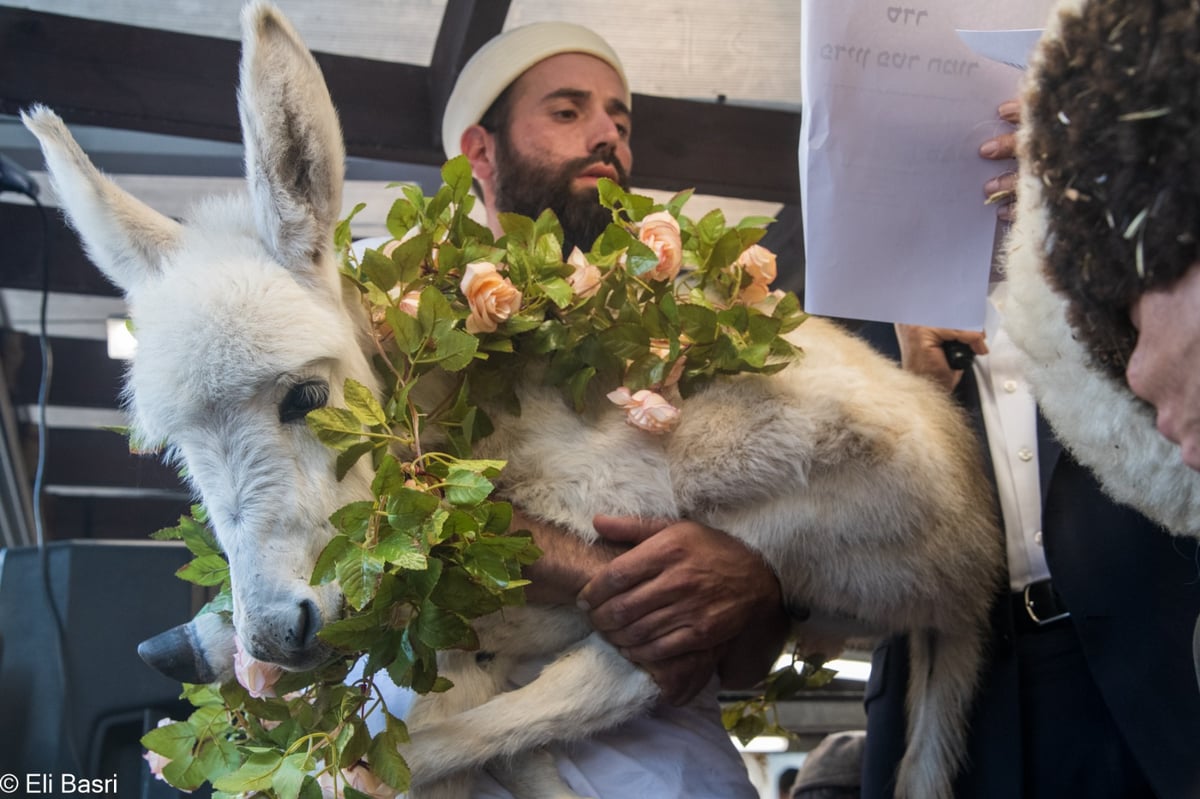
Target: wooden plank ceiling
pixel 119 76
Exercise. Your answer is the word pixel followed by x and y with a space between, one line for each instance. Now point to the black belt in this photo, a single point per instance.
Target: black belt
pixel 1037 607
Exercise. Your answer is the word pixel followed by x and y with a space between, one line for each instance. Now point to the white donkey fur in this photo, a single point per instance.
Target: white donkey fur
pixel 1105 426
pixel 859 483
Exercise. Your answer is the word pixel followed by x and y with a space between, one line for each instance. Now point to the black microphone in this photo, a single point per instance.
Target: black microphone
pixel 958 354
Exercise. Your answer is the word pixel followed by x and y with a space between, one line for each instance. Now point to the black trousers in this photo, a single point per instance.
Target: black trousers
pixel 1039 728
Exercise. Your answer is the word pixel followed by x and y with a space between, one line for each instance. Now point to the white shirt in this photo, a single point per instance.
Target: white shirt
pixel 674 751
pixel 1010 416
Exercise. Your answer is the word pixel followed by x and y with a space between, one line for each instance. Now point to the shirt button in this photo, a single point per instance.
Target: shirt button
pixel 1010 386
pixel 1025 454
pixel 1037 538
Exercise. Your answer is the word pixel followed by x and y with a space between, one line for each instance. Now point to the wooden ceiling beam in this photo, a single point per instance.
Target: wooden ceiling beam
pixel 120 76
pixel 466 26
pixel 82 457
pixel 25 251
pixel 84 376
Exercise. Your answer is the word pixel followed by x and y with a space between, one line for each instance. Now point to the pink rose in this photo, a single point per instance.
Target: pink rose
pixel 660 232
pixel 409 302
pixel 646 410
pixel 360 778
pixel 257 677
pixel 156 761
pixel 759 263
pixel 585 280
pixel 490 296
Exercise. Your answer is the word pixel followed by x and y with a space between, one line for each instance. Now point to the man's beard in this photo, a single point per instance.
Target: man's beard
pixel 528 187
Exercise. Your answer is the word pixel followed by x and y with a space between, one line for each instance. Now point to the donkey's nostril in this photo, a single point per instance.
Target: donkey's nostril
pixel 308 623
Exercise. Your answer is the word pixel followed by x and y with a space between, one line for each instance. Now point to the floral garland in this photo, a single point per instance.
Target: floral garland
pixel 661 305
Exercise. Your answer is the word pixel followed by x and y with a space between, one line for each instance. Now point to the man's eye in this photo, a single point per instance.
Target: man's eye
pixel 302 398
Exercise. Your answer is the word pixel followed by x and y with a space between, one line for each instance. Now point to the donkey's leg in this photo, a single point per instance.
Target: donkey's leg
pixel 588 689
pixel 531 775
pixel 944 672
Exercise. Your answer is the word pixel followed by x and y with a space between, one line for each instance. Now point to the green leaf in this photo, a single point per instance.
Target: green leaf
pixel 353 742
pixel 725 251
pixel 439 628
pixel 350 456
pixel 288 780
pixel 341 233
pixel 409 255
pixel 205 570
pixel 406 330
pixel 402 216
pixel 484 466
pixel 362 403
pixel 384 755
pixel 756 222
pixel 389 478
pixel 517 229
pixel 335 427
pixel 698 323
pixel 465 487
pixel 456 349
pixel 358 574
pixel 457 175
pixel 400 548
pixel 640 259
pixel 577 386
pixel 434 312
pixel 711 226
pixel 559 291
pixel 353 519
pixel 172 741
pixel 325 569
pixel 407 508
pixel 254 775
pixel 626 341
pixel 788 310
pixel 353 632
pixel 380 269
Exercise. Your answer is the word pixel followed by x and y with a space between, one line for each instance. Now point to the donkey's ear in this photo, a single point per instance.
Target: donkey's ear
pixel 295 159
pixel 122 235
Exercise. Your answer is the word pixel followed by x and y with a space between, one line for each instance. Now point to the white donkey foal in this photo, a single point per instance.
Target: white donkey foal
pixel 858 483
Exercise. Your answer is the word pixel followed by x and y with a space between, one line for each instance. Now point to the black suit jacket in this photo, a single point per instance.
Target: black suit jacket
pixel 1134 595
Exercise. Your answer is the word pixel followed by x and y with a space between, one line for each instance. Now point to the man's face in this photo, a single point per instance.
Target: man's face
pixel 568 126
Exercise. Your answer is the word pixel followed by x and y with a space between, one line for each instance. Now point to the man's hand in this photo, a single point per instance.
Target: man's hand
pixel 1164 369
pixel 921 351
pixel 1001 190
pixel 675 602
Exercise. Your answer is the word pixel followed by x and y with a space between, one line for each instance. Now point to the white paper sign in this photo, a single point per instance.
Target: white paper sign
pixel 896 106
pixel 1004 47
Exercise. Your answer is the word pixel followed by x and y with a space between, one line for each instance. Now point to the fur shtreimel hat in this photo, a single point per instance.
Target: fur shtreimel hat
pixel 1108 207
pixel 504 59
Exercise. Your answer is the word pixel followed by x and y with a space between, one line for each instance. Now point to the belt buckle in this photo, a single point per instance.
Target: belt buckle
pixel 1049 599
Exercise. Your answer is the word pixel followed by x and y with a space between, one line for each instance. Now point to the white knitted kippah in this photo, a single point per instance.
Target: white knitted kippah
pixel 504 59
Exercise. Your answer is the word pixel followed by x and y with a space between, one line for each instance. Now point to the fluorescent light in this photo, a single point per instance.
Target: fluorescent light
pixel 856 670
pixel 763 743
pixel 121 343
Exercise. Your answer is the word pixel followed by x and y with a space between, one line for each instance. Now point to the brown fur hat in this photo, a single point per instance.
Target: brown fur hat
pixel 1113 116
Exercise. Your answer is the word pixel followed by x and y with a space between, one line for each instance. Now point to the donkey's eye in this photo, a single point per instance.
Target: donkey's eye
pixel 302 398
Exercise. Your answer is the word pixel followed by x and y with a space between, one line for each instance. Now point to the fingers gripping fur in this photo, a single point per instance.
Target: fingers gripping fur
pixel 551 709
pixel 123 236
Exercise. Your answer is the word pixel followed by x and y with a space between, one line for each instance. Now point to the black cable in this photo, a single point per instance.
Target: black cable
pixel 14 178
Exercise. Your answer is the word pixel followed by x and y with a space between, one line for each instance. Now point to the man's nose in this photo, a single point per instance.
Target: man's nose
pixel 603 133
